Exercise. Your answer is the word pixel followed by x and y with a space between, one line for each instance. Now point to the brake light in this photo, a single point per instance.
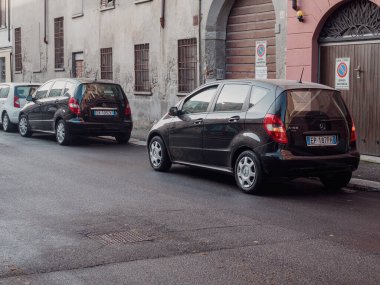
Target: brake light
pixel 353 133
pixel 127 110
pixel 74 106
pixel 16 102
pixel 275 128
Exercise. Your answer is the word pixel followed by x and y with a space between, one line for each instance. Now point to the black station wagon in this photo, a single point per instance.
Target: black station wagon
pixel 258 130
pixel 67 107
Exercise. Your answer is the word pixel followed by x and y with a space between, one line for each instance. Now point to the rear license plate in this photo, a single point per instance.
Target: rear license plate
pixel 321 140
pixel 104 113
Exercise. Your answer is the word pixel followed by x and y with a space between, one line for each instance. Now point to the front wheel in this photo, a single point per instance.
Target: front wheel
pixel 248 173
pixel 7 124
pixel 62 133
pixel 336 181
pixel 158 155
pixel 24 127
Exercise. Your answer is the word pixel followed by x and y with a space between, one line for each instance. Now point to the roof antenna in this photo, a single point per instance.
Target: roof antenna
pixel 303 68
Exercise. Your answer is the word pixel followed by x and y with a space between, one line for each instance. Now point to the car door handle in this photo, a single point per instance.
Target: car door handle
pixel 234 119
pixel 198 122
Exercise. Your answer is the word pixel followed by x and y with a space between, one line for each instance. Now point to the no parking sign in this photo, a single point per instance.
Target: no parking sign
pixel 342 73
pixel 261 53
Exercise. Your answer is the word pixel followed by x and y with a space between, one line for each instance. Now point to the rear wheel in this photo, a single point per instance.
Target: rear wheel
pixel 158 155
pixel 336 181
pixel 248 173
pixel 7 125
pixel 62 133
pixel 123 138
pixel 24 127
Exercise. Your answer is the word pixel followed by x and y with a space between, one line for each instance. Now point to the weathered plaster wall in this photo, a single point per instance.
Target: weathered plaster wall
pixel 302 46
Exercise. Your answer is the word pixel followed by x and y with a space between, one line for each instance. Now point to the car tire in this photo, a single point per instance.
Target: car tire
pixel 24 127
pixel 158 156
pixel 7 124
pixel 123 138
pixel 336 181
pixel 62 133
pixel 248 173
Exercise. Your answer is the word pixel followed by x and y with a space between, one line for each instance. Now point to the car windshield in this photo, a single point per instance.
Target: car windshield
pixel 23 91
pixel 100 91
pixel 315 102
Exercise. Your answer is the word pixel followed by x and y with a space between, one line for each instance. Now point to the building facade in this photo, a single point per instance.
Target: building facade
pixel 338 42
pixel 157 50
pixel 5 42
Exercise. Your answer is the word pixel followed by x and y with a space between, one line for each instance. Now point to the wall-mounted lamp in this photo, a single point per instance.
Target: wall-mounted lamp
pixel 294 5
pixel 300 15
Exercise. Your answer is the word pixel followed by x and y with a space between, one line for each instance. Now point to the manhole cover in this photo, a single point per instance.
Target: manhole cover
pixel 119 237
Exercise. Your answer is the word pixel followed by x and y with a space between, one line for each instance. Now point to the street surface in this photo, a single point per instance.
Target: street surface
pixel 96 213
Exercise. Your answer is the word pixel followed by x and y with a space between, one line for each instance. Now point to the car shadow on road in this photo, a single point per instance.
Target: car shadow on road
pixel 301 187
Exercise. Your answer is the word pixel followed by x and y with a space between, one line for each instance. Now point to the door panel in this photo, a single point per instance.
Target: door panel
pixel 362 99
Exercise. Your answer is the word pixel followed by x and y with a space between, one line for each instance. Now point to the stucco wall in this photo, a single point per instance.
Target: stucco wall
pixel 302 46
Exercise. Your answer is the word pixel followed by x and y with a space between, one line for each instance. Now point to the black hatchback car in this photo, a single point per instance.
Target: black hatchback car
pixel 258 130
pixel 83 107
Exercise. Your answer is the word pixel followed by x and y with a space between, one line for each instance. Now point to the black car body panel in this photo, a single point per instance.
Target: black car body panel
pixel 214 138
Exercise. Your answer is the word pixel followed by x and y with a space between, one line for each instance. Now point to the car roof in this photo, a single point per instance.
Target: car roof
pixel 20 83
pixel 85 80
pixel 281 83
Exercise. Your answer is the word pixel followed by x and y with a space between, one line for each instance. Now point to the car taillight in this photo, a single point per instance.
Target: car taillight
pixel 353 133
pixel 127 110
pixel 275 128
pixel 74 106
pixel 16 102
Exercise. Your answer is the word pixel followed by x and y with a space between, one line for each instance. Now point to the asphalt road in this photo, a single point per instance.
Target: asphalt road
pixel 96 213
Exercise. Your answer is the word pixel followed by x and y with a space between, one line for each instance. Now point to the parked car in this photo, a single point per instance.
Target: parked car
pixel 258 130
pixel 12 99
pixel 77 107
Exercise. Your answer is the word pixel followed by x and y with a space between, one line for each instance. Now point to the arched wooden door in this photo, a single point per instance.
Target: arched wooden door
pixel 250 21
pixel 353 33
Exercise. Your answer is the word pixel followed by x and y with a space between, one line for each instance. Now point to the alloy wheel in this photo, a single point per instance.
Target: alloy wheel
pixel 60 132
pixel 155 153
pixel 5 122
pixel 23 126
pixel 246 172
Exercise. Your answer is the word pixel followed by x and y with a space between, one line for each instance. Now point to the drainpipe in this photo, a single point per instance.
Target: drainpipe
pixel 9 20
pixel 45 22
pixel 200 40
pixel 162 19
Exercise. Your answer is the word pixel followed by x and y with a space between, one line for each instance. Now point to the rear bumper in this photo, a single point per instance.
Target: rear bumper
pixel 284 164
pixel 82 128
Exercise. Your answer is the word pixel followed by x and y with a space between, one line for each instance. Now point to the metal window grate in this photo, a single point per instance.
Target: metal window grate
pixel 58 43
pixel 187 64
pixel 107 3
pixel 142 68
pixel 18 54
pixel 106 63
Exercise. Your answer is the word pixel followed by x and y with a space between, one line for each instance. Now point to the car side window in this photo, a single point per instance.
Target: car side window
pixel 4 91
pixel 257 94
pixel 69 88
pixel 199 103
pixel 57 88
pixel 232 97
pixel 42 92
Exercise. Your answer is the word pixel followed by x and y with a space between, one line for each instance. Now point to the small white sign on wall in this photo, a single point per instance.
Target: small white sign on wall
pixel 342 73
pixel 261 72
pixel 261 53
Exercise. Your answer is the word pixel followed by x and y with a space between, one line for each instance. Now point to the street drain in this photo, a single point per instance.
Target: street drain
pixel 119 237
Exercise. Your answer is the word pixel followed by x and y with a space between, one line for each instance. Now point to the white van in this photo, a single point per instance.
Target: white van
pixel 12 99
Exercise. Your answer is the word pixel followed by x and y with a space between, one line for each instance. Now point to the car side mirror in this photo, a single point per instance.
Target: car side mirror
pixel 29 98
pixel 173 111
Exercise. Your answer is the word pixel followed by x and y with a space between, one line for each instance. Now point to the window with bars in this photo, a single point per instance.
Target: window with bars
pixel 104 4
pixel 187 65
pixel 18 53
pixel 58 43
pixel 106 63
pixel 142 68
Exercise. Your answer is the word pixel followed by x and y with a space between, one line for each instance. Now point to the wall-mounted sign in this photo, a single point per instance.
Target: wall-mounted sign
pixel 342 73
pixel 261 53
pixel 261 72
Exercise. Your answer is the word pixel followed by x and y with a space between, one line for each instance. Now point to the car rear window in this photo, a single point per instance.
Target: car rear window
pixel 315 102
pixel 23 91
pixel 101 91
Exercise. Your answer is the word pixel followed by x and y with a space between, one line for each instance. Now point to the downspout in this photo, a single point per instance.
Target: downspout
pixel 162 18
pixel 45 23
pixel 200 41
pixel 9 20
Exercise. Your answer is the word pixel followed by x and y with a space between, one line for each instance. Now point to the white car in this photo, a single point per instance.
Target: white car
pixel 12 99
